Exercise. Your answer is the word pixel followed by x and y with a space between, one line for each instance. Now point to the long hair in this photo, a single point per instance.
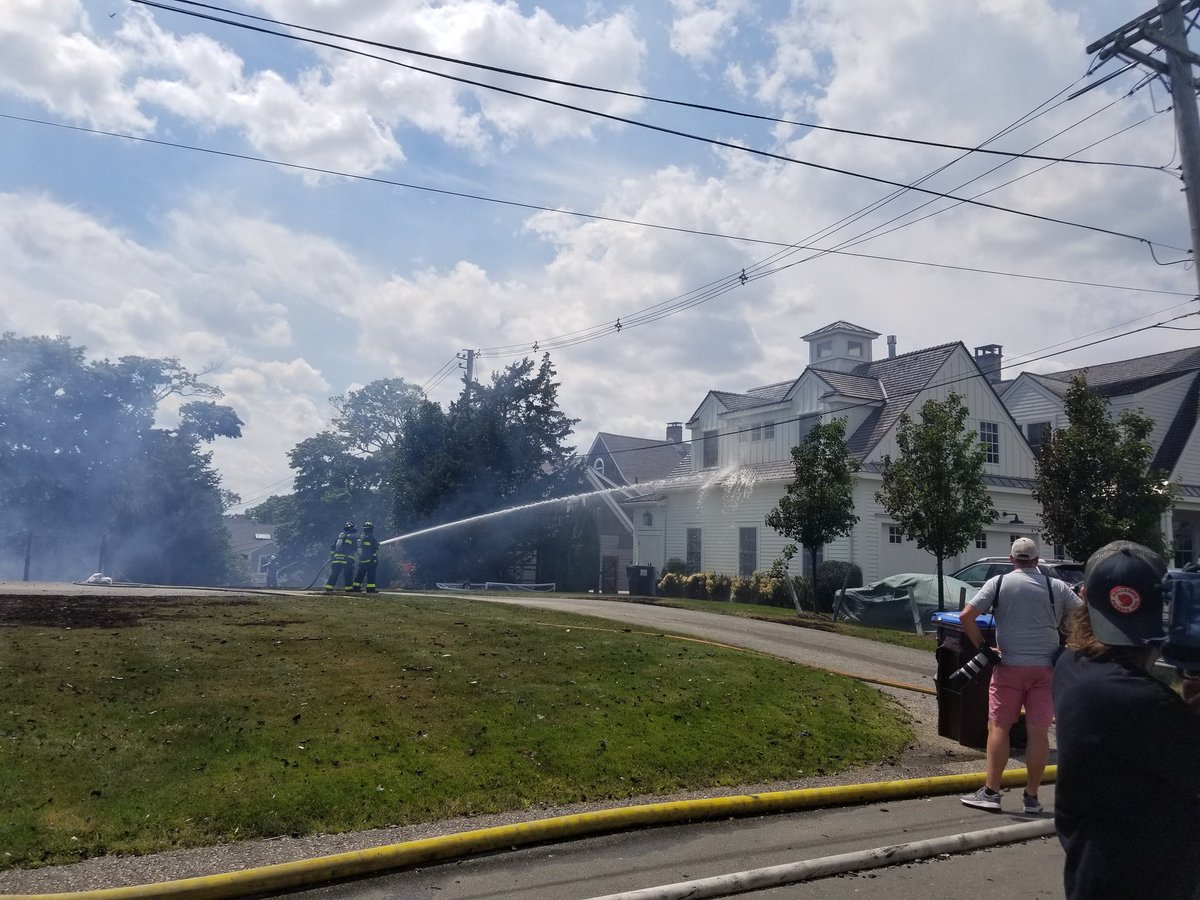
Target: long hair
pixel 1083 641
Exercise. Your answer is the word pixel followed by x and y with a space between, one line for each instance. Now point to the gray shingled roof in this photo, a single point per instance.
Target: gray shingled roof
pixel 1127 376
pixel 840 325
pixel 772 393
pixel 902 378
pixel 640 460
pixel 847 385
pixel 1131 376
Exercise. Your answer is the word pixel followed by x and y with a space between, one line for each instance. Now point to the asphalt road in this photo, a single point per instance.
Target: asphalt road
pixel 648 858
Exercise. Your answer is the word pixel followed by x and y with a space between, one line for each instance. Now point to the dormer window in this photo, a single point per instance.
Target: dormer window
pixel 855 349
pixel 824 349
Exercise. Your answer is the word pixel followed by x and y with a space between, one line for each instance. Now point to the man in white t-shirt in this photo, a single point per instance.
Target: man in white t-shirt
pixel 1028 608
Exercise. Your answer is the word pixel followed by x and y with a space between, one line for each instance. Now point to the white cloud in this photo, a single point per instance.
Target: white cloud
pixel 49 54
pixel 700 26
pixel 305 298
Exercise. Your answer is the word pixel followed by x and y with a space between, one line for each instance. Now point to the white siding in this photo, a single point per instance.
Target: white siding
pixel 1160 403
pixel 959 375
pixel 1187 470
pixel 1030 402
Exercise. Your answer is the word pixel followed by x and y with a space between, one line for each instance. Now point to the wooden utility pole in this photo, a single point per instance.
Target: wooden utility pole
pixel 1163 27
pixel 468 357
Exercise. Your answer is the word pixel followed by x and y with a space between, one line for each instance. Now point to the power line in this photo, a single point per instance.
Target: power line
pixel 533 207
pixel 716 289
pixel 661 129
pixel 516 73
pixel 949 383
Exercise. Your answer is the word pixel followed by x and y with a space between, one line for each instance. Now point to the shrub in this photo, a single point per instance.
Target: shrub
pixel 830 576
pixel 671 585
pixel 676 566
pixel 719 586
pixel 743 590
pixel 696 587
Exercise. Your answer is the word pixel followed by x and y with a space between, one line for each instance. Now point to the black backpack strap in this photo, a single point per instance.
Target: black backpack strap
pixel 996 599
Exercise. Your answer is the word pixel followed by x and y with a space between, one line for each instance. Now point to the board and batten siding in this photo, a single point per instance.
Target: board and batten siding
pixel 958 374
pixel 1160 403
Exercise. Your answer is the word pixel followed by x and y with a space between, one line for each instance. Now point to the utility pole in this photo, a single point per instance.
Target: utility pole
pixel 1163 27
pixel 468 356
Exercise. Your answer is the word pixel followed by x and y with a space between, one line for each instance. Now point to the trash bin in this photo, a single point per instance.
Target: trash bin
pixel 641 580
pixel 962 713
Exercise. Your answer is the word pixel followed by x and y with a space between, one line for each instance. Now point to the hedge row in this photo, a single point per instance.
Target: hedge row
pixel 763 587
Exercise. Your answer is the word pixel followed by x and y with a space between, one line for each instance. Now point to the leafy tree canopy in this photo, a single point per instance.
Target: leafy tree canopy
pixel 819 503
pixel 1094 479
pixel 934 488
pixel 340 474
pixel 84 467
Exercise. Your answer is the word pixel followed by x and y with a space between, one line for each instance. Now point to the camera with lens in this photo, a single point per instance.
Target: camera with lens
pixel 973 666
pixel 1181 646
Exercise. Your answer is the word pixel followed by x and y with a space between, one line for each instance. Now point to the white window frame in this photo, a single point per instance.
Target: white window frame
pixel 989 436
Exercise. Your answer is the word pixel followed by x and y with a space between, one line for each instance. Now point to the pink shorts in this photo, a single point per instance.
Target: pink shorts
pixel 1015 686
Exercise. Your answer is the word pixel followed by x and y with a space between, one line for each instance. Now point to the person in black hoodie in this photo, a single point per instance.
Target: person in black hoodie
pixel 1127 796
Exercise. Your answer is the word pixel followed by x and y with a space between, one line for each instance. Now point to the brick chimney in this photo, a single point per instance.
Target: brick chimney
pixel 675 432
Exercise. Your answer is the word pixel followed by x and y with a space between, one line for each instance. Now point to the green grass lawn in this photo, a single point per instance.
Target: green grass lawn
pixel 134 725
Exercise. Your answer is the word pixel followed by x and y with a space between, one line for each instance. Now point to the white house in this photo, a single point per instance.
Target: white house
pixel 1164 386
pixel 711 512
pixel 620 461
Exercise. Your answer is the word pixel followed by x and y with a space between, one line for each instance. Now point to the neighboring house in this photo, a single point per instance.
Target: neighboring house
pixel 1164 386
pixel 626 518
pixel 711 513
pixel 254 543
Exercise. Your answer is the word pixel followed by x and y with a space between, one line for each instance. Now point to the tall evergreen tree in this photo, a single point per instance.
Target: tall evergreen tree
pixel 1094 479
pixel 498 447
pixel 934 488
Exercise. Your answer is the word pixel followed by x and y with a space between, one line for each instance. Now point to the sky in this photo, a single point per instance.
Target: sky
pixel 298 218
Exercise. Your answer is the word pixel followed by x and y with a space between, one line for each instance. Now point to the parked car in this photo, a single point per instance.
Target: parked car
pixel 981 570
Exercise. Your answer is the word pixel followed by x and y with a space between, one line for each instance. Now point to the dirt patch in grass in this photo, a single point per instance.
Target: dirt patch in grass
pixel 100 610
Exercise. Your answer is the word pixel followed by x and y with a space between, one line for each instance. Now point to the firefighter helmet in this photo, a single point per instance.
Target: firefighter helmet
pixel 349 526
pixel 368 526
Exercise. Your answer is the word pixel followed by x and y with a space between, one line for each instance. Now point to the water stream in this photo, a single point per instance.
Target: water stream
pixel 737 483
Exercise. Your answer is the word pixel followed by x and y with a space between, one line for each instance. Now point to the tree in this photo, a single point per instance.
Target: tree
pixel 1094 480
pixel 372 417
pixel 934 488
pixel 497 448
pixel 818 505
pixel 82 462
pixel 342 473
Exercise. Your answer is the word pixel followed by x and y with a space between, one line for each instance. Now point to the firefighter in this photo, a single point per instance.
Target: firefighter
pixel 341 555
pixel 368 560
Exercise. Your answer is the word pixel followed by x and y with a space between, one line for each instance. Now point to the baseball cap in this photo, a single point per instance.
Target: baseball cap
pixel 1024 548
pixel 1123 584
